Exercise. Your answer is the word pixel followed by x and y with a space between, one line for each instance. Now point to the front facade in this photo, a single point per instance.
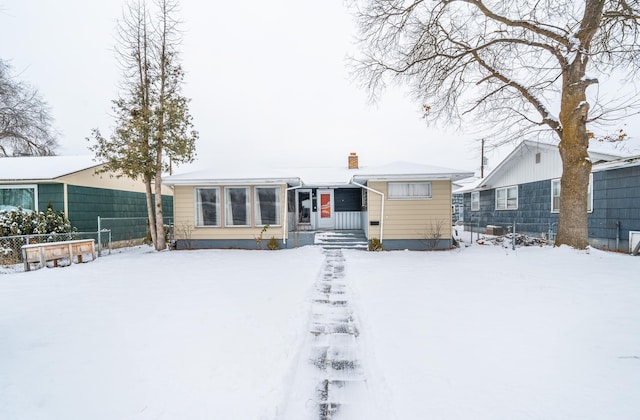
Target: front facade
pixel 71 184
pixel 404 206
pixel 525 189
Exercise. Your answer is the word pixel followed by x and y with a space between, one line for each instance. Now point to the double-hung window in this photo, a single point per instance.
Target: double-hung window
pixel 409 190
pixel 14 196
pixel 507 198
pixel 475 201
pixel 555 195
pixel 237 206
pixel 207 207
pixel 267 206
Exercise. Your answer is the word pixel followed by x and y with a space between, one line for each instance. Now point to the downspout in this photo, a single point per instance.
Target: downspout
pixel 381 207
pixel 286 211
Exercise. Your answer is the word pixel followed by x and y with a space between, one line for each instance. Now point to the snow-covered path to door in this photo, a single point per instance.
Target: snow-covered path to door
pixel 329 379
pixel 479 333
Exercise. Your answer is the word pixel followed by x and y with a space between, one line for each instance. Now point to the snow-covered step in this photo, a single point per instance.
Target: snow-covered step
pixel 341 240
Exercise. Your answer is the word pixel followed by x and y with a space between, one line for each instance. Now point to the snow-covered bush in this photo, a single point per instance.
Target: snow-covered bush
pixel 19 222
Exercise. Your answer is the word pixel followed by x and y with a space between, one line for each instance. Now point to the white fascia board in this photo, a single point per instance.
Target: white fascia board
pixel 413 177
pixel 616 164
pixel 236 181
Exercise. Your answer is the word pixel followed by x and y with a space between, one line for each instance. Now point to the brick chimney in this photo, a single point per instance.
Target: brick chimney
pixel 353 160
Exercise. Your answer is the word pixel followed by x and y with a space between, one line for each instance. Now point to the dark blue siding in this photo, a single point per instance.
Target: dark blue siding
pixel 532 217
pixel 616 209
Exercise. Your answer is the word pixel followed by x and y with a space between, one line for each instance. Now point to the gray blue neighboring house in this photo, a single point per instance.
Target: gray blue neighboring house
pixel 525 189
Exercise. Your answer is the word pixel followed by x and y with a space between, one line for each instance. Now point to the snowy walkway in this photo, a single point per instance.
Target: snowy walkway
pixel 330 382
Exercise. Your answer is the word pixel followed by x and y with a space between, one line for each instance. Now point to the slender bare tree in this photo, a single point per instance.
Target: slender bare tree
pixel 521 67
pixel 25 119
pixel 153 121
pixel 175 137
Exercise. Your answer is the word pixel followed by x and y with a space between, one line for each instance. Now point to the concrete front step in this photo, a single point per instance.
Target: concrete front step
pixel 341 240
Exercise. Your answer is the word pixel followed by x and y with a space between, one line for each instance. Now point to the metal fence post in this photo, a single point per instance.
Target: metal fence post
pixel 99 238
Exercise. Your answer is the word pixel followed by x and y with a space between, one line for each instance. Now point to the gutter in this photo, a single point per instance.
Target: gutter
pixel 285 222
pixel 381 207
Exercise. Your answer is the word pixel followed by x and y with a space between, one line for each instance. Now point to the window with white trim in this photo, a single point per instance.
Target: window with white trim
pixel 555 195
pixel 475 201
pixel 14 196
pixel 267 206
pixel 237 206
pixel 207 207
pixel 409 190
pixel 507 198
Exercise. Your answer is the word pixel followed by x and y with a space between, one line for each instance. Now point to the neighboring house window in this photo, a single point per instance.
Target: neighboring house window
pixel 237 206
pixel 507 198
pixel 409 190
pixel 207 206
pixel 14 196
pixel 267 203
pixel 475 201
pixel 555 195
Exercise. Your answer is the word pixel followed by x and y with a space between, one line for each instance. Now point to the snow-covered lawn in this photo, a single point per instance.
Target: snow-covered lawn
pixel 481 332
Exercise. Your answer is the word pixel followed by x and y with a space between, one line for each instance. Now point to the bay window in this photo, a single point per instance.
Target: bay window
pixel 207 206
pixel 237 206
pixel 267 206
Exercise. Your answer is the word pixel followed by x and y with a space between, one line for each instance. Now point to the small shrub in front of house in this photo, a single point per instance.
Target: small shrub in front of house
pixel 273 244
pixel 375 244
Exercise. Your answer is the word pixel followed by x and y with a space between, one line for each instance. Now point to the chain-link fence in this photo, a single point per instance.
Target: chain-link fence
pixel 517 232
pixel 11 246
pixel 130 231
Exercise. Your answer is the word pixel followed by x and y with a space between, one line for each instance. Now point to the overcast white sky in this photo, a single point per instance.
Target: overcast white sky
pixel 268 81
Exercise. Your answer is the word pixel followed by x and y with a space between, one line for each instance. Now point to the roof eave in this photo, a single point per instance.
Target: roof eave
pixel 234 181
pixel 413 177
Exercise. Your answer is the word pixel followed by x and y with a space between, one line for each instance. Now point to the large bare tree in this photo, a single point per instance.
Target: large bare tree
pixel 521 67
pixel 25 119
pixel 153 126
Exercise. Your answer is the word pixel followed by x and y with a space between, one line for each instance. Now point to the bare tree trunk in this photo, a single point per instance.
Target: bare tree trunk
pixel 160 242
pixel 150 210
pixel 573 220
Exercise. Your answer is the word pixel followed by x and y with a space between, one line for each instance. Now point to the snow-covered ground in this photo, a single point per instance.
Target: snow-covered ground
pixel 481 332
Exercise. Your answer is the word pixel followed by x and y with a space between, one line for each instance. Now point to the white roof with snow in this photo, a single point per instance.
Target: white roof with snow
pixel 315 176
pixel 42 167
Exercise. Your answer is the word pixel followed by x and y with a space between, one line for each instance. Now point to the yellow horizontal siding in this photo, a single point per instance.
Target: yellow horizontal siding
pixel 107 180
pixel 412 219
pixel 184 213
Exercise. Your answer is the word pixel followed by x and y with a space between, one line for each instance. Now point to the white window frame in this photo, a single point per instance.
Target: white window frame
pixel 505 205
pixel 475 201
pixel 589 195
pixel 407 196
pixel 278 205
pixel 553 183
pixel 199 221
pixel 228 214
pixel 34 187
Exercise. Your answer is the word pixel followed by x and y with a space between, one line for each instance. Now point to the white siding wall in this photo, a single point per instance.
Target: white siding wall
pixel 348 220
pixel 523 168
